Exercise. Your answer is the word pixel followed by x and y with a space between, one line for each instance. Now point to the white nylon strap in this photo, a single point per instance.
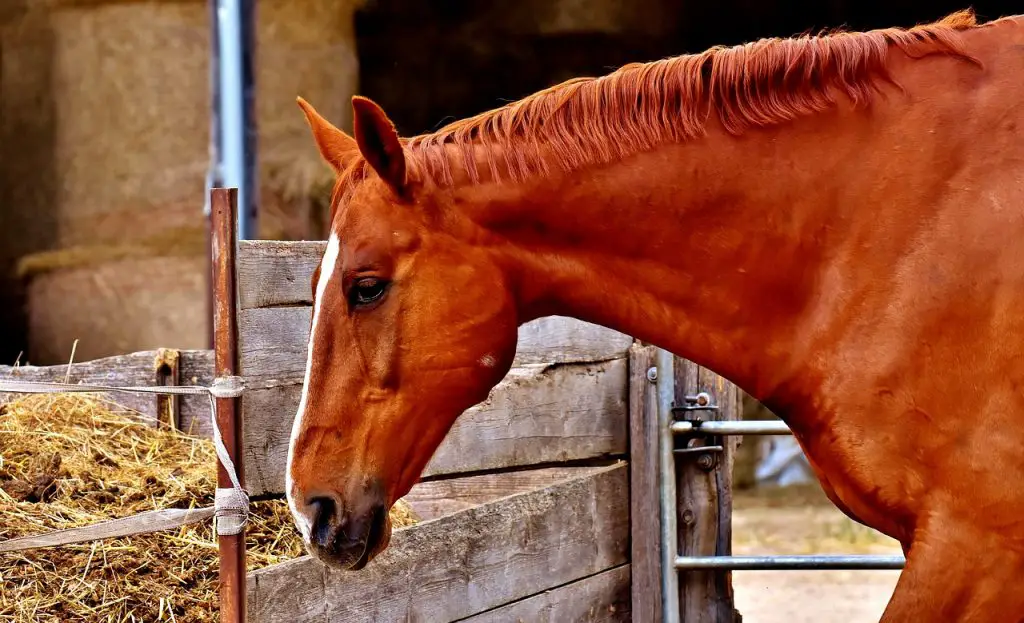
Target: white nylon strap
pixel 232 511
pixel 231 507
pixel 222 387
pixel 227 387
pixel 143 523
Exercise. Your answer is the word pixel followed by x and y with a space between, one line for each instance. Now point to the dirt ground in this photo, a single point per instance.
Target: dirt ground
pixel 800 520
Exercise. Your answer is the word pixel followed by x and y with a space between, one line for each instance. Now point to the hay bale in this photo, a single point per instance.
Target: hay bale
pixel 126 305
pixel 307 48
pixel 175 242
pixel 106 105
pixel 131 149
pixel 69 460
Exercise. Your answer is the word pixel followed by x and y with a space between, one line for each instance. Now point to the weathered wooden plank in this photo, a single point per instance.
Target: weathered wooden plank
pixel 133 369
pixel 466 563
pixel 537 414
pixel 644 497
pixel 273 343
pixel 704 500
pixel 601 598
pixel 436 498
pixel 274 273
pixel 560 339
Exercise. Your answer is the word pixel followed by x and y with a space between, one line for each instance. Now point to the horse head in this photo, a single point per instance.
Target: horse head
pixel 413 322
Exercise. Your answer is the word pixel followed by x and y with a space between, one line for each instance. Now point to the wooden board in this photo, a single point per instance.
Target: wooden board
pixel 466 563
pixel 601 598
pixel 134 369
pixel 537 414
pixel 644 493
pixel 273 273
pixel 273 343
pixel 436 498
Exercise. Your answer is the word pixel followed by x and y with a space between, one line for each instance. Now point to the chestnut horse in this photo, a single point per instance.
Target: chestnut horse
pixel 835 223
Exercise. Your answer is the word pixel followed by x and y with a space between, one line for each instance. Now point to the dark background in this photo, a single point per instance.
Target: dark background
pixel 428 63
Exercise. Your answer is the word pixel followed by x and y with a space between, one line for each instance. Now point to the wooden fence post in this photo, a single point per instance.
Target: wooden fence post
pixel 704 497
pixel 644 501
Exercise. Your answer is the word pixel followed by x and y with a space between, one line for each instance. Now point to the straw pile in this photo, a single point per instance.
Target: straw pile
pixel 69 460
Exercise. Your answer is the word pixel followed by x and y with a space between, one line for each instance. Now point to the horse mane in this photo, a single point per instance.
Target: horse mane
pixel 588 121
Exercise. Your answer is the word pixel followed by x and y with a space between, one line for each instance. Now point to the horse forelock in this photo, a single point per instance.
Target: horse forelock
pixel 588 121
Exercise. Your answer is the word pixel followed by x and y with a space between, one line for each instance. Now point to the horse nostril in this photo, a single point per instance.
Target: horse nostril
pixel 324 511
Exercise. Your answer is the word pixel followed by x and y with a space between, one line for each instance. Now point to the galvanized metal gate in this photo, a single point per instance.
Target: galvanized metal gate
pixel 691 438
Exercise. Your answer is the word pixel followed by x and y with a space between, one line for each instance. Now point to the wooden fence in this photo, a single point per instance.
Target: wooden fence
pixel 542 503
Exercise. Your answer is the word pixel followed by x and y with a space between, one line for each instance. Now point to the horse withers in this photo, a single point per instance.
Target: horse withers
pixel 834 223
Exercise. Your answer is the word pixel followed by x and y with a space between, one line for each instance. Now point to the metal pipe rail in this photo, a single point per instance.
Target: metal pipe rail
pixel 732 427
pixel 790 563
pixel 672 562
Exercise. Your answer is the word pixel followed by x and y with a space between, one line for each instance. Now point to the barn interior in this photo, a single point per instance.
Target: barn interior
pixel 427 63
pixel 102 184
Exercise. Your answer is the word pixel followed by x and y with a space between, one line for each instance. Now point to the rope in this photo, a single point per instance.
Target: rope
pixel 231 505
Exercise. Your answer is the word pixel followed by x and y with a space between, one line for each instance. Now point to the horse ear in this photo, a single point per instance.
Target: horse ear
pixel 378 142
pixel 336 147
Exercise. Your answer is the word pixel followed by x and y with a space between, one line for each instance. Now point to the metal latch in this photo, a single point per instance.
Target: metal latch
pixel 705 448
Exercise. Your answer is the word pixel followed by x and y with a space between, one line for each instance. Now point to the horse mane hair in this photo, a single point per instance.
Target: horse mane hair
pixel 588 121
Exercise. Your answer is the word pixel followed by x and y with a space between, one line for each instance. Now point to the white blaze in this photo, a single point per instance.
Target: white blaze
pixel 327 268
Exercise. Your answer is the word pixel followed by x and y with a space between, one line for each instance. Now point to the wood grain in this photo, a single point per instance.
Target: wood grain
pixel 601 598
pixel 644 495
pixel 134 369
pixel 274 273
pixel 466 563
pixel 537 414
pixel 273 343
pixel 436 498
pixel 704 498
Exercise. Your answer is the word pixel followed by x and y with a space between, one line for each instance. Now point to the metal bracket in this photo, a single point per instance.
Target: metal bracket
pixel 708 447
pixel 167 369
pixel 706 456
pixel 699 402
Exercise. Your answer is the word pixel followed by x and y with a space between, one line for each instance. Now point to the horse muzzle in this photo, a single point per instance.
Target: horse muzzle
pixel 345 541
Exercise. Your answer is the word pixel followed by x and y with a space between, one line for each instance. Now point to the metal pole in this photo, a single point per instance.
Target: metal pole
pixel 735 427
pixel 789 563
pixel 213 172
pixel 664 364
pixel 235 108
pixel 231 547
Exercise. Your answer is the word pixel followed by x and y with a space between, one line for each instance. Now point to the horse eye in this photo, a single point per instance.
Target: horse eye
pixel 366 291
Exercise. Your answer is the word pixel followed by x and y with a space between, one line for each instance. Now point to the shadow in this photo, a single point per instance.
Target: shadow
pixel 28 184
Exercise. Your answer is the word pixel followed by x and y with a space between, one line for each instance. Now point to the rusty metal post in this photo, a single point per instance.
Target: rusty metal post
pixel 224 223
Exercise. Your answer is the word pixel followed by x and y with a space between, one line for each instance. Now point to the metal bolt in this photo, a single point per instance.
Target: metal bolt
pixel 703 399
pixel 652 374
pixel 706 462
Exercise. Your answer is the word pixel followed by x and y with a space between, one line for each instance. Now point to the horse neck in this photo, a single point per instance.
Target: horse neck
pixel 710 249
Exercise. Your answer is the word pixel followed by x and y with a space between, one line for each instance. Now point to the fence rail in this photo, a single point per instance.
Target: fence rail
pixel 693 413
pixel 732 427
pixel 790 563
